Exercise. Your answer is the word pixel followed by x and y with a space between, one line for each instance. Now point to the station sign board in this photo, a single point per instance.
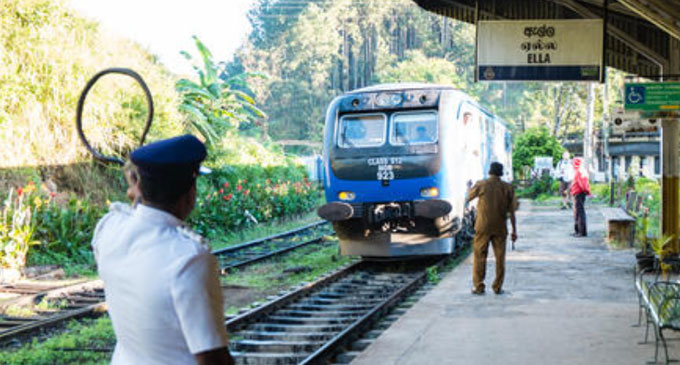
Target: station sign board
pixel 539 50
pixel 543 162
pixel 652 96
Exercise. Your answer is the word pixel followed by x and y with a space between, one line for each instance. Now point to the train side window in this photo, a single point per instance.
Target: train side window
pixel 466 115
pixel 491 126
pixel 414 128
pixel 361 130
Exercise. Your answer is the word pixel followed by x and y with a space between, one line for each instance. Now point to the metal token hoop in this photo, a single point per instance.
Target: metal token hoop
pixel 81 104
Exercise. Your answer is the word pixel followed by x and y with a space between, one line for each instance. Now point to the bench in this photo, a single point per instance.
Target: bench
pixel 620 226
pixel 620 222
pixel 660 300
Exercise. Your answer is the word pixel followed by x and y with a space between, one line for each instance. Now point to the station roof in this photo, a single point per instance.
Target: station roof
pixel 638 32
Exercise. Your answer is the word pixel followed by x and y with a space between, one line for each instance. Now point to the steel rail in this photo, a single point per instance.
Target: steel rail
pixel 234 250
pixel 365 321
pixel 52 321
pixel 239 322
pixel 268 238
pixel 226 268
pixel 272 314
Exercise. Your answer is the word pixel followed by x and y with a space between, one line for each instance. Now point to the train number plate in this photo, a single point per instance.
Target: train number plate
pixel 385 175
pixel 385 166
pixel 385 172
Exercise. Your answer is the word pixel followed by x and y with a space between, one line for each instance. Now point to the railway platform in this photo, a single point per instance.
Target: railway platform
pixel 570 301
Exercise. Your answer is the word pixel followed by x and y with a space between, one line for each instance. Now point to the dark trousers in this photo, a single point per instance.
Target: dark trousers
pixel 580 215
pixel 480 248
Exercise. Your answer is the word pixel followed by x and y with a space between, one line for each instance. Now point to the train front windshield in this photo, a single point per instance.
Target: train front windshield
pixel 413 128
pixel 371 130
pixel 367 130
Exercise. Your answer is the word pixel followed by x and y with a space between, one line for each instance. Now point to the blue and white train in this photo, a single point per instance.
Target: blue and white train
pixel 398 161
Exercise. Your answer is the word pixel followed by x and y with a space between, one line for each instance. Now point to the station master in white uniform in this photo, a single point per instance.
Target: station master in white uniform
pixel 161 281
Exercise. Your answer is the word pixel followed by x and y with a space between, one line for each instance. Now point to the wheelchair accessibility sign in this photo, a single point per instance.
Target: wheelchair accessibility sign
pixel 635 94
pixel 652 96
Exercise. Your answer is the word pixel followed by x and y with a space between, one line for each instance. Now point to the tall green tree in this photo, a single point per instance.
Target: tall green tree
pixel 536 141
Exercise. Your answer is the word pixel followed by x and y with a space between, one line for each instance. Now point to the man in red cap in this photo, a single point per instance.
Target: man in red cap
pixel 580 187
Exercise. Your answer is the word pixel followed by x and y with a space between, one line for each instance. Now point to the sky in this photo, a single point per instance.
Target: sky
pixel 165 27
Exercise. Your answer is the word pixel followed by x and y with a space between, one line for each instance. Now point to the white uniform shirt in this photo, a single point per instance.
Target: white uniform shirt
pixel 162 287
pixel 565 170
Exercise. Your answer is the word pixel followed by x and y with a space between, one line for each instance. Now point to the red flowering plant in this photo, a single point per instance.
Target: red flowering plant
pixel 230 205
pixel 56 232
pixel 17 225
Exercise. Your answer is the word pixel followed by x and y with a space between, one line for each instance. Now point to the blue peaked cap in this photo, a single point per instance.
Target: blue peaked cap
pixel 170 157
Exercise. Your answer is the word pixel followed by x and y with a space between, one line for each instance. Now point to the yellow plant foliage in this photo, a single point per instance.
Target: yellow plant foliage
pixel 47 54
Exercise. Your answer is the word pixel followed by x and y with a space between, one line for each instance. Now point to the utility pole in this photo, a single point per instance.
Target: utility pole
pixel 588 133
pixel 605 134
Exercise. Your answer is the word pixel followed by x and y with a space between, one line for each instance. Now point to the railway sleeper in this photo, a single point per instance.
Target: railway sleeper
pixel 267 358
pixel 364 289
pixel 317 307
pixel 12 324
pixel 275 346
pixel 355 289
pixel 319 313
pixel 309 320
pixel 284 336
pixel 369 299
pixel 358 293
pixel 276 327
pixel 322 301
pixel 83 299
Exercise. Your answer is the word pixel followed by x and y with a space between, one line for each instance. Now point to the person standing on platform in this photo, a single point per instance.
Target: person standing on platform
pixel 496 202
pixel 565 173
pixel 161 280
pixel 580 187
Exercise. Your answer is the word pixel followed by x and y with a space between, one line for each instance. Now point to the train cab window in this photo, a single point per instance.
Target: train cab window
pixel 362 130
pixel 414 128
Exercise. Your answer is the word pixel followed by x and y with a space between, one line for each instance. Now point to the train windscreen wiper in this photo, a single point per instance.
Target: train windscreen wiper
pixel 344 137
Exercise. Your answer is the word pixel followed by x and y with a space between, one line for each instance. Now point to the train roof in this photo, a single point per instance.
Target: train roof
pixel 401 86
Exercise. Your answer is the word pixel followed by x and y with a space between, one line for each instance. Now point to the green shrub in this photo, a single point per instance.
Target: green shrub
pixel 245 196
pixel 534 142
pixel 65 232
pixel 544 185
pixel 600 191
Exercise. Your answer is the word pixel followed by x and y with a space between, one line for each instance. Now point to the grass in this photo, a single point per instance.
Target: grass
pixel 19 311
pixel 303 265
pixel 69 347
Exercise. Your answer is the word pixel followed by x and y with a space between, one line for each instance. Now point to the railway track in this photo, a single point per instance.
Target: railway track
pixel 60 305
pixel 309 325
pixel 264 248
pixel 86 299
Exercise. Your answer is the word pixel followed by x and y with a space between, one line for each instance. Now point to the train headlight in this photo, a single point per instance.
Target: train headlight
pixel 386 99
pixel 346 195
pixel 429 192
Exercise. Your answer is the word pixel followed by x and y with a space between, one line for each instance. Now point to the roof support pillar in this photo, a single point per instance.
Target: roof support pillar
pixel 670 162
pixel 674 56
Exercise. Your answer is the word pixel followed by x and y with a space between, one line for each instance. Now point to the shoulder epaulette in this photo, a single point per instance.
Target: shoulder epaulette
pixel 190 234
pixel 120 207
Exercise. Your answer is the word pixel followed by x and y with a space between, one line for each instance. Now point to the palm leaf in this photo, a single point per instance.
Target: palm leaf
pixel 191 91
pixel 255 110
pixel 241 95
